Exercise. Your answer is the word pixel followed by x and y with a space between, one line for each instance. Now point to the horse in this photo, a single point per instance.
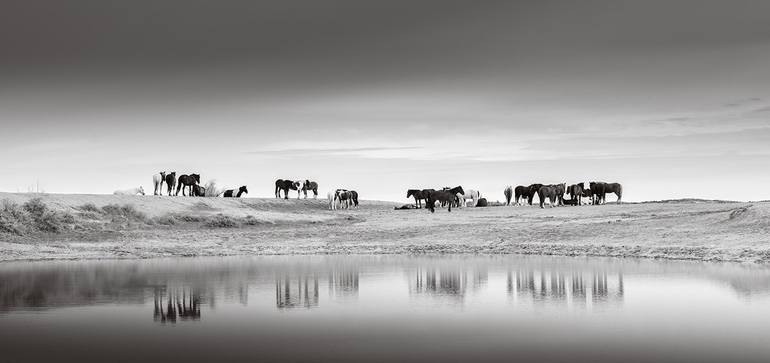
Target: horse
pixel 418 196
pixel 231 193
pixel 332 196
pixel 157 181
pixel 170 182
pixel 198 191
pixel 354 198
pixel 533 190
pixel 473 195
pixel 312 186
pixel 508 193
pixel 521 191
pixel 187 181
pixel 576 193
pixel 597 192
pixel 285 185
pixel 443 196
pixel 616 188
pixel 345 197
pixel 550 192
pixel 603 188
pixel 133 191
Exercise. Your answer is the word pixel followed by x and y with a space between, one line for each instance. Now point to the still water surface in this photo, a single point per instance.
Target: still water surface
pixel 383 308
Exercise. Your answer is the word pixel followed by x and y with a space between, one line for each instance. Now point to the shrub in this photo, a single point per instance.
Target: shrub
pixel 167 220
pixel 221 221
pixel 13 219
pixel 251 221
pixel 90 207
pixel 127 212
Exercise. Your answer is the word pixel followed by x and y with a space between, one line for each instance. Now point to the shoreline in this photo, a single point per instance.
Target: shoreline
pixel 162 227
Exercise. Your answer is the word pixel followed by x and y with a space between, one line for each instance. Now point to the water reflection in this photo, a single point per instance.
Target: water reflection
pixel 182 303
pixel 296 292
pixel 344 282
pixel 573 288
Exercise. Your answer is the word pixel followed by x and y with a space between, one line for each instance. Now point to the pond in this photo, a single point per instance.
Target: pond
pixel 383 308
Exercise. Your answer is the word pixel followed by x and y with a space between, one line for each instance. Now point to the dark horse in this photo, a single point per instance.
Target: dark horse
pixel 171 182
pixel 187 181
pixel 231 193
pixel 198 191
pixel 599 191
pixel 532 191
pixel 576 192
pixel 354 198
pixel 284 185
pixel 312 186
pixel 554 193
pixel 520 192
pixel 508 193
pixel 444 196
pixel 418 196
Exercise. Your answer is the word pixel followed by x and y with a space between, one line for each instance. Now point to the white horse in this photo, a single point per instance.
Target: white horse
pixel 133 191
pixel 157 181
pixel 299 185
pixel 333 197
pixel 471 194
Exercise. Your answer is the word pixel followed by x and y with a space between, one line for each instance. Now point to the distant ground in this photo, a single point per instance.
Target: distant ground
pixel 107 226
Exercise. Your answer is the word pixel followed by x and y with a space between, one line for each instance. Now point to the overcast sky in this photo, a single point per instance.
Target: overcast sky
pixel 670 98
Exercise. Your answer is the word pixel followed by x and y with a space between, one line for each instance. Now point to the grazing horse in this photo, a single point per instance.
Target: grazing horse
pixel 508 193
pixel 418 196
pixel 443 196
pixel 157 181
pixel 520 192
pixel 473 195
pixel 354 198
pixel 576 193
pixel 198 191
pixel 170 182
pixel 312 186
pixel 231 193
pixel 285 185
pixel 187 181
pixel 133 191
pixel 533 191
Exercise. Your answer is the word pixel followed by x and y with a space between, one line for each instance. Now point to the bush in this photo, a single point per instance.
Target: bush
pixel 32 216
pixel 127 212
pixel 221 221
pixel 90 207
pixel 165 220
pixel 13 219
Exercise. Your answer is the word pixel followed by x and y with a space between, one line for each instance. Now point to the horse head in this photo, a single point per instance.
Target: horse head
pixel 243 189
pixel 197 178
pixel 457 189
pixel 410 193
pixel 298 185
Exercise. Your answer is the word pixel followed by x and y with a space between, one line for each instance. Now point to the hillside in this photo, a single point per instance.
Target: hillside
pixel 107 226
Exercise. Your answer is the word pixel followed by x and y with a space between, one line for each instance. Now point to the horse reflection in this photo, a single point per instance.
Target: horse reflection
pixel 570 288
pixel 446 282
pixel 301 292
pixel 344 282
pixel 182 304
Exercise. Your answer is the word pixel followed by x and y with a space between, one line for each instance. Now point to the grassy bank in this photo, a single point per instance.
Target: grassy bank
pixel 101 226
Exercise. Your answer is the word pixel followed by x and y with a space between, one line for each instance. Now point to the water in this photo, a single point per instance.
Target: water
pixel 383 308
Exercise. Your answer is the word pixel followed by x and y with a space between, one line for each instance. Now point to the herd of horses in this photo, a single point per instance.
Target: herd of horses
pixel 457 197
pixel 596 192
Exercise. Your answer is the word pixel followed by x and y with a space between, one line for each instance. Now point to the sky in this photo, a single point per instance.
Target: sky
pixel 671 98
